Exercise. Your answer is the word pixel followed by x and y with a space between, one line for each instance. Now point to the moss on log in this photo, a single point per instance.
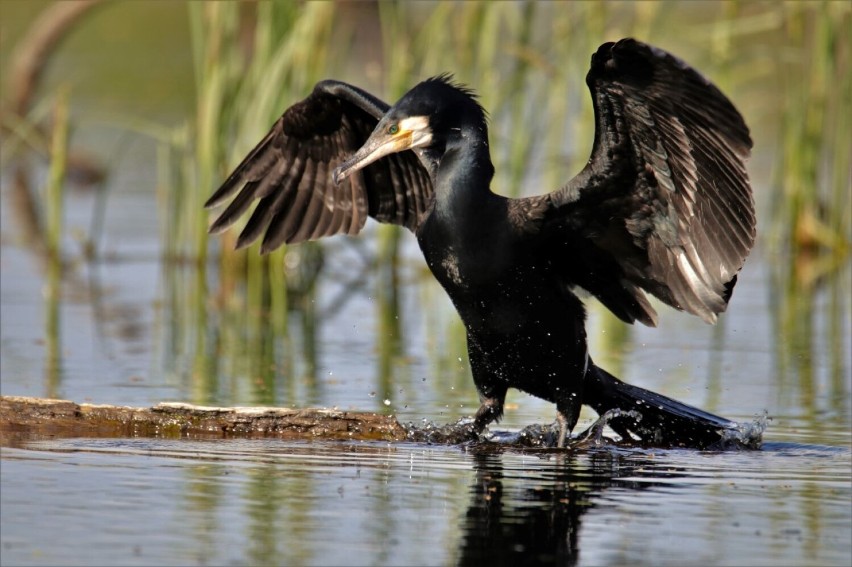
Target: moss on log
pixel 64 418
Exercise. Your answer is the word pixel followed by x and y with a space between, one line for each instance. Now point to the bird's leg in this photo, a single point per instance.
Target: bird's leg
pixel 567 414
pixel 564 430
pixel 491 409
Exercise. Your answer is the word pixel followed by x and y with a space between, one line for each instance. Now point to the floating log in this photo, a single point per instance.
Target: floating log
pixel 64 418
pixel 24 417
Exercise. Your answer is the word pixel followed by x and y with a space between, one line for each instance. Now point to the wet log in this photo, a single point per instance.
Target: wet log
pixel 40 416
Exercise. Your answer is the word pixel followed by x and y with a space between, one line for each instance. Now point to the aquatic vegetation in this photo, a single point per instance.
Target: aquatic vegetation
pixel 524 79
pixel 785 65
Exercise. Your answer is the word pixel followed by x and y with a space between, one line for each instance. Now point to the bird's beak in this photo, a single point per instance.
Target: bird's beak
pixel 377 146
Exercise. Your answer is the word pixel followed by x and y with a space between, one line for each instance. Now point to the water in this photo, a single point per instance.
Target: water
pixel 126 335
pixel 249 502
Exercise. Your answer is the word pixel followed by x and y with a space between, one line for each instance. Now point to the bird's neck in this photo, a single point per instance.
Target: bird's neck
pixel 462 177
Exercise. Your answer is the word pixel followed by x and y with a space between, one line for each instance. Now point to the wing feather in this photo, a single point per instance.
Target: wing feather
pixel 288 174
pixel 664 200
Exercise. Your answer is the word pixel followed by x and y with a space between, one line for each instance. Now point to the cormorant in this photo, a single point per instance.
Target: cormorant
pixel 663 206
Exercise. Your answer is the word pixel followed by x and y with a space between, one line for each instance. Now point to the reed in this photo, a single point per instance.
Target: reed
pixel 815 166
pixel 494 47
pixel 54 204
pixel 248 60
pixel 56 175
pixel 811 228
pixel 526 60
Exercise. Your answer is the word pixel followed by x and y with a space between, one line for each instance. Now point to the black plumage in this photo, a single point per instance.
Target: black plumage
pixel 290 172
pixel 663 206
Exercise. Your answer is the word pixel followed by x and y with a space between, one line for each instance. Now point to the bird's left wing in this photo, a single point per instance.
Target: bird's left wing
pixel 289 172
pixel 664 202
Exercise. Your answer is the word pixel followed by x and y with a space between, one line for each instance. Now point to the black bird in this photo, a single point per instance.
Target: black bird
pixel 663 206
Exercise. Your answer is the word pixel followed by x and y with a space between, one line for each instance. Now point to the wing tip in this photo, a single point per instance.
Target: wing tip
pixel 214 200
pixel 217 227
pixel 244 241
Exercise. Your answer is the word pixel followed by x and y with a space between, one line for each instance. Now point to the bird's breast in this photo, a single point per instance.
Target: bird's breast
pixel 492 278
pixel 466 257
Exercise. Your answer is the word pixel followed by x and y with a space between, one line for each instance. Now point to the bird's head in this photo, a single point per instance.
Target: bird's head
pixel 428 116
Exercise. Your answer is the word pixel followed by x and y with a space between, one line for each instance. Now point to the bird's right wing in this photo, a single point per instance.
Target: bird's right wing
pixel 664 203
pixel 290 173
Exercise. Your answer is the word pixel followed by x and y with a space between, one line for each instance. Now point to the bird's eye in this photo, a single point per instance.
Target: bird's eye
pixel 393 129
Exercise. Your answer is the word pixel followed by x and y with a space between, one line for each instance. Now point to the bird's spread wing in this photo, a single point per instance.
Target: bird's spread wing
pixel 290 173
pixel 664 202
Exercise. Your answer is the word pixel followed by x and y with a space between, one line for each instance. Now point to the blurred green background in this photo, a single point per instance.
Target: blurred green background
pixel 165 98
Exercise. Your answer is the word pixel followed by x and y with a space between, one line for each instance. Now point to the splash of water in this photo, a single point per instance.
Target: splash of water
pixel 746 435
pixel 455 433
pixel 738 435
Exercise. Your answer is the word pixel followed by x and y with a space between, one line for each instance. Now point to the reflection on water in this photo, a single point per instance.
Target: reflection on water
pixel 270 502
pixel 529 524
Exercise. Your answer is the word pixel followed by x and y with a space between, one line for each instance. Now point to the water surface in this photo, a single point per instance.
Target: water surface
pixel 248 502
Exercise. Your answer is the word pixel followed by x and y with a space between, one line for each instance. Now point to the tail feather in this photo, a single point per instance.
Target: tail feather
pixel 664 422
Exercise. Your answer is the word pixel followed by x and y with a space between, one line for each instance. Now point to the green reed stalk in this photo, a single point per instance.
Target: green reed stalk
pixel 250 62
pixel 56 174
pixel 815 167
pixel 521 147
pixel 54 228
pixel 837 47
